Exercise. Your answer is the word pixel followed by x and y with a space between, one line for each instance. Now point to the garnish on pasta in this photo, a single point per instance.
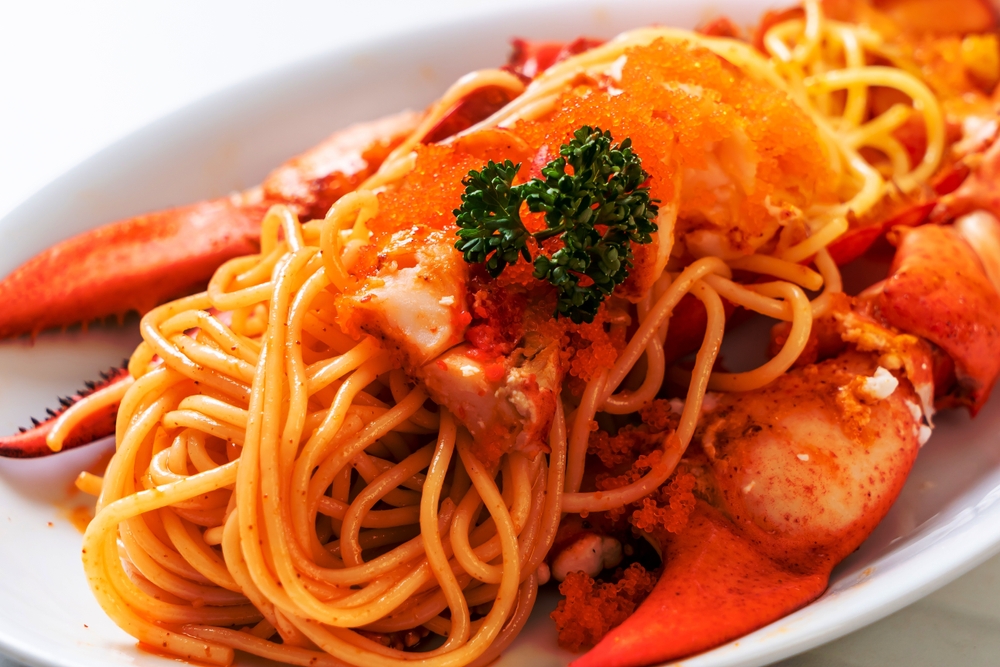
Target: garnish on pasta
pixel 594 201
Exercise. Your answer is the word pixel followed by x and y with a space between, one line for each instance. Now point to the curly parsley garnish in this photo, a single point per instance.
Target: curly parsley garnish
pixel 597 210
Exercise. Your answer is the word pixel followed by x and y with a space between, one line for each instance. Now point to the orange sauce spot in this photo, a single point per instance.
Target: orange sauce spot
pixel 80 516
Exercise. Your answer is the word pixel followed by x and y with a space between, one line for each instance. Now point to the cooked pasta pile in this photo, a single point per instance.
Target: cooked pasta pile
pixel 283 489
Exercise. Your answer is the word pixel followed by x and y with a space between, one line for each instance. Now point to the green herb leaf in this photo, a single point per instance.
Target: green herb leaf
pixel 593 200
pixel 489 221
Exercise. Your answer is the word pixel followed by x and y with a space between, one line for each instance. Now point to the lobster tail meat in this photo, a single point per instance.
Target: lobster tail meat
pixel 31 443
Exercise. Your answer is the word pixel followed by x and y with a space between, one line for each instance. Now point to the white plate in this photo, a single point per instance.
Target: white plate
pixel 946 521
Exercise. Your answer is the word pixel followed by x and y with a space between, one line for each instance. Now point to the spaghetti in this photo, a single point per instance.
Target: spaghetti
pixel 282 489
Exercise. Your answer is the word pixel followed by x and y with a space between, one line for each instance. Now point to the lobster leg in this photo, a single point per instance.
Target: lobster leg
pixel 856 242
pixel 529 59
pixel 477 105
pixel 311 182
pixel 31 443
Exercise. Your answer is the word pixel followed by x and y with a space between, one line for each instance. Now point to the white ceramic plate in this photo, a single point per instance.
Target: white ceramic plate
pixel 946 521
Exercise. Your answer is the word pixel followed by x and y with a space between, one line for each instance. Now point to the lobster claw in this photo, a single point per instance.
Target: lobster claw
pixel 786 493
pixel 130 265
pixel 715 586
pixel 937 289
pixel 138 263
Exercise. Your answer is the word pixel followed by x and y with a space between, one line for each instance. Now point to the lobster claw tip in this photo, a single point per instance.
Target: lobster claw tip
pixel 715 587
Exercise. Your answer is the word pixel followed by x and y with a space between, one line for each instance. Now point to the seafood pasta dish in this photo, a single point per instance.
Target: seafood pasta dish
pixel 449 356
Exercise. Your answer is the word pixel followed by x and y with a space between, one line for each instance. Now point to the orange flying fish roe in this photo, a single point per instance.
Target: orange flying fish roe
pixel 669 508
pixel 424 200
pixel 429 194
pixel 659 415
pixel 592 608
pixel 676 102
pixel 606 482
pixel 629 442
pixel 594 347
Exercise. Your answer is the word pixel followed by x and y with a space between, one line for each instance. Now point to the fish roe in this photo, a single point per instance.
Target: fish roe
pixel 659 415
pixel 669 508
pixel 592 608
pixel 687 111
pixel 692 114
pixel 594 346
pixel 429 194
pixel 423 201
pixel 624 446
pixel 642 464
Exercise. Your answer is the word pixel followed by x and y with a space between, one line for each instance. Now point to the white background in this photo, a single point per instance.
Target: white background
pixel 75 77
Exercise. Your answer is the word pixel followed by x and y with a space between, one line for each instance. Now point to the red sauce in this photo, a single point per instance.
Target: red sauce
pixel 80 516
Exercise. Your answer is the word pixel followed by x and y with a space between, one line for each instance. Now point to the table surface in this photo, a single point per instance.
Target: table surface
pixel 78 76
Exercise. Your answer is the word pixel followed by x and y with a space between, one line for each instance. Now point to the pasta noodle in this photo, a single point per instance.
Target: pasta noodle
pixel 268 496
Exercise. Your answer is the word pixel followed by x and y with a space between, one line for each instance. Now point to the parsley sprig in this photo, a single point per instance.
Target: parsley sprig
pixel 593 200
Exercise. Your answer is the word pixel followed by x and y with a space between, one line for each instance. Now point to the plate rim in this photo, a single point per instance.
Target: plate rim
pixel 933 566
